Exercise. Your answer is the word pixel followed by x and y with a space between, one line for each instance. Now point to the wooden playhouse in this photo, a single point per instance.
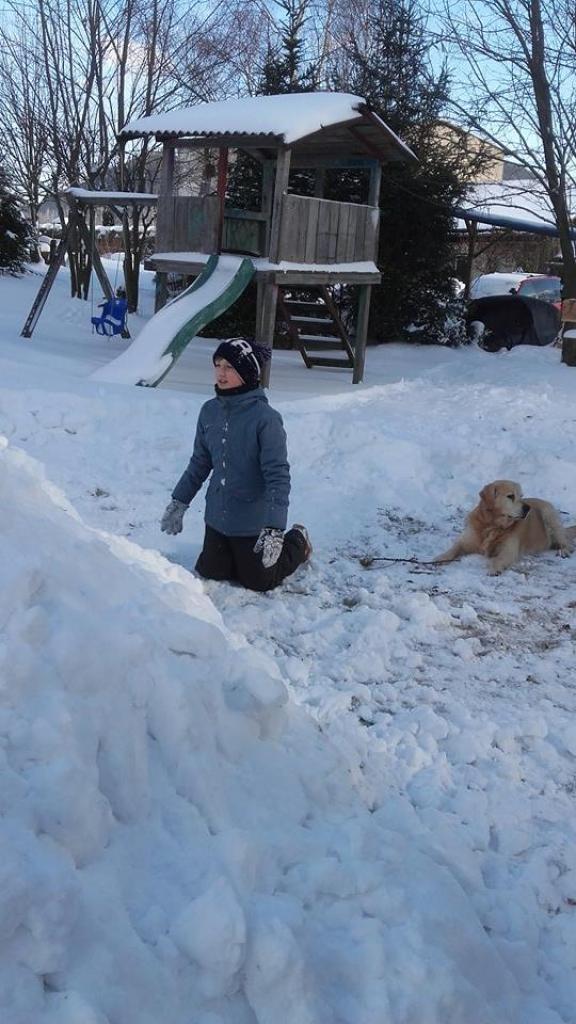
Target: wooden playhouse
pixel 294 241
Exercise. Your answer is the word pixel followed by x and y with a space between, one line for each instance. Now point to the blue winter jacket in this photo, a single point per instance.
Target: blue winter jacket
pixel 242 442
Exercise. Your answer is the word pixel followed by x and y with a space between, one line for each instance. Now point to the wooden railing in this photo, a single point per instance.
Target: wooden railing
pixel 311 230
pixel 191 223
pixel 245 231
pixel 187 224
pixel 322 231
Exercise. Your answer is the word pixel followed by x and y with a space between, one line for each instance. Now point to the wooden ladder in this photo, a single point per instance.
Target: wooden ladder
pixel 315 327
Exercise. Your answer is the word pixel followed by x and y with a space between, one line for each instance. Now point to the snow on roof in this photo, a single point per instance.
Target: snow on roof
pixel 284 119
pixel 288 117
pixel 90 195
pixel 523 200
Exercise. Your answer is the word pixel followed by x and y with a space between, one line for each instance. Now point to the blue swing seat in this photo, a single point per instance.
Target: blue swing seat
pixel 112 320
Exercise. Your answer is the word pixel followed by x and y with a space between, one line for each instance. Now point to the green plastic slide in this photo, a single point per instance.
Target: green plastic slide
pixel 163 339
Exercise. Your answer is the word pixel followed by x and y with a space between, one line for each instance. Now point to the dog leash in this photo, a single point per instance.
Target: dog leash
pixel 367 560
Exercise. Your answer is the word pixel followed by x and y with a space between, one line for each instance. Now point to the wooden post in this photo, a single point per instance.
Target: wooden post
pixel 374 185
pixel 167 170
pixel 47 282
pixel 320 182
pixel 266 304
pixel 361 333
pixel 568 332
pixel 73 250
pixel 89 253
pixel 222 182
pixel 471 230
pixel 374 201
pixel 161 296
pixel 280 187
pixel 267 197
pixel 259 301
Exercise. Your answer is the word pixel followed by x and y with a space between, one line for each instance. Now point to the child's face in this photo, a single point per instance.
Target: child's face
pixel 226 376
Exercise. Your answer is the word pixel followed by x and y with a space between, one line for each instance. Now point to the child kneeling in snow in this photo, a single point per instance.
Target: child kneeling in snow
pixel 241 441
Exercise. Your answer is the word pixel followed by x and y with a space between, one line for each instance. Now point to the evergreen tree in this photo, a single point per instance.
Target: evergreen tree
pixel 415 300
pixel 14 232
pixel 388 64
pixel 283 71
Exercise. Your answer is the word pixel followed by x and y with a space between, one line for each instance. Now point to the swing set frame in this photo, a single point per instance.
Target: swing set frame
pixel 80 237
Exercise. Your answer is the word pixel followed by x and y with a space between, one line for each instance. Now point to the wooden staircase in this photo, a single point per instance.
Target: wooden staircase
pixel 315 327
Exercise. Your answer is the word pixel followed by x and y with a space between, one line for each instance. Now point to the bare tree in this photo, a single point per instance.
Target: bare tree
pixel 89 66
pixel 23 126
pixel 516 64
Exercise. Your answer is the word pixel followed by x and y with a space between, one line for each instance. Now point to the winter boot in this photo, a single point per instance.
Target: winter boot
pixel 307 545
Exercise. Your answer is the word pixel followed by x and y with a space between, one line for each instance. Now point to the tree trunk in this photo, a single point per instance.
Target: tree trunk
pixel 556 180
pixel 131 279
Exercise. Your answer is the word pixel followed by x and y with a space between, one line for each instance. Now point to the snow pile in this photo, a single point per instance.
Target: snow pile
pixel 180 842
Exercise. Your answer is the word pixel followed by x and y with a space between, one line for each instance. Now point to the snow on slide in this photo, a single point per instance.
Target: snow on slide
pixel 165 336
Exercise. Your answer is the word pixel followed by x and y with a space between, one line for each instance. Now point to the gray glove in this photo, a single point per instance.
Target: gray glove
pixel 270 543
pixel 172 519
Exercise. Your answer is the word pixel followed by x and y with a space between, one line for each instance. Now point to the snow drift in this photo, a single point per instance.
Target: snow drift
pixel 180 843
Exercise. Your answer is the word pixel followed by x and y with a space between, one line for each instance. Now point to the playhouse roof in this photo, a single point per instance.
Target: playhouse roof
pixel 323 124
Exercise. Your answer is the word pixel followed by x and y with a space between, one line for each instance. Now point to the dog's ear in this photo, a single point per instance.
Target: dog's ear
pixel 487 495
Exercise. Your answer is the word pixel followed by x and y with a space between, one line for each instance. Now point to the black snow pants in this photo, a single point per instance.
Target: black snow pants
pixel 233 559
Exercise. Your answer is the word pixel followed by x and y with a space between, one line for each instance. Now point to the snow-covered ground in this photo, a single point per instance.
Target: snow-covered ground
pixel 349 801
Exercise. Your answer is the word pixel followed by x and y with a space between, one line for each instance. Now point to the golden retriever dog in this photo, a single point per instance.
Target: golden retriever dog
pixel 504 526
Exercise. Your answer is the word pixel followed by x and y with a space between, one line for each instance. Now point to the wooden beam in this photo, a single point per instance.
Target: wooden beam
pixel 259 154
pixel 45 287
pixel 266 323
pixel 121 199
pixel 319 277
pixel 233 214
pixel 472 231
pixel 167 265
pixel 167 171
pixel 361 334
pixel 311 160
pixel 231 141
pixel 85 283
pixel 368 145
pixel 403 152
pixel 320 182
pixel 259 300
pixel 280 188
pixel 267 200
pixel 161 295
pixel 374 201
pixel 221 189
pixel 374 185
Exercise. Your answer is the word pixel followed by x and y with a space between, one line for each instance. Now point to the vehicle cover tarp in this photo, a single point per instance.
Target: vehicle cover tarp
pixel 511 320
